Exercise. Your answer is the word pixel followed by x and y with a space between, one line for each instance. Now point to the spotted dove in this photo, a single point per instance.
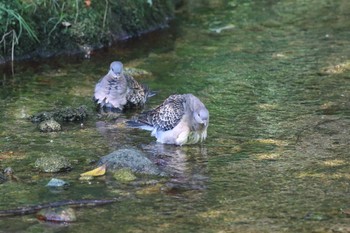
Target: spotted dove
pixel 180 119
pixel 117 91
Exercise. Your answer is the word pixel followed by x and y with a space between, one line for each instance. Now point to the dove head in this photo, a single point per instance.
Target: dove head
pixel 116 69
pixel 201 116
pixel 199 111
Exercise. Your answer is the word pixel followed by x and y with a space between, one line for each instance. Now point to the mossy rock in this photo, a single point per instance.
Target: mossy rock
pixel 49 126
pixel 67 114
pixel 134 160
pixel 53 163
pixel 124 175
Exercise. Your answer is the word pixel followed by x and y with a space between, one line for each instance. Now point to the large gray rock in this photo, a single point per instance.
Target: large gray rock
pixel 133 159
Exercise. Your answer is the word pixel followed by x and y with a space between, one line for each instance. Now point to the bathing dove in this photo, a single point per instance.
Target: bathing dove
pixel 180 119
pixel 117 91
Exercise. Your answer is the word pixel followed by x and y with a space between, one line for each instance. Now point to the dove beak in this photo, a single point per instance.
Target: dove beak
pixel 116 75
pixel 205 123
pixel 111 73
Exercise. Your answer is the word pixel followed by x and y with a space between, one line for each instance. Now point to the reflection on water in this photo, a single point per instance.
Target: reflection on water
pixel 187 166
pixel 275 78
pixel 176 161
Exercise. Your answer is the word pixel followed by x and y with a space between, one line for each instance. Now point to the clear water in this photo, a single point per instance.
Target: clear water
pixel 275 76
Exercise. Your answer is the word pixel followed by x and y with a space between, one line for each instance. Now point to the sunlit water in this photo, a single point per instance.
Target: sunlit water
pixel 275 78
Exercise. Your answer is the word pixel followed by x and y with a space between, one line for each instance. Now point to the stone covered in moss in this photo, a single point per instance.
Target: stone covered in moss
pixel 67 114
pixel 134 160
pixel 124 175
pixel 49 126
pixel 57 214
pixel 53 163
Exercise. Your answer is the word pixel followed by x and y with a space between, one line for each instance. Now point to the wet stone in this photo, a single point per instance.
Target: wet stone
pixel 8 171
pixel 41 116
pixel 53 164
pixel 49 126
pixel 67 114
pixel 124 175
pixel 132 159
pixel 56 183
pixel 72 114
pixel 340 228
pixel 8 175
pixel 59 214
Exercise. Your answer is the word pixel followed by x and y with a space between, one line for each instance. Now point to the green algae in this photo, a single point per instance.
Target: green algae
pixel 124 175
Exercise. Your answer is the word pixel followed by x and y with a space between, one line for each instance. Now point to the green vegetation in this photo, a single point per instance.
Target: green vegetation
pixel 47 27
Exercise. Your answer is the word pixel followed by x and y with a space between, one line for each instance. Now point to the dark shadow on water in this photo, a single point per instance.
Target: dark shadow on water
pixel 158 41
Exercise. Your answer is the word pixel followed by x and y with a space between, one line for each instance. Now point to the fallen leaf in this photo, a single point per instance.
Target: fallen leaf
pixel 100 171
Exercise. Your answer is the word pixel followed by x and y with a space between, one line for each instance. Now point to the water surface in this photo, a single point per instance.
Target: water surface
pixel 275 78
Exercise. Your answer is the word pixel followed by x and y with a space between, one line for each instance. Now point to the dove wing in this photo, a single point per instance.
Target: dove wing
pixel 167 115
pixel 136 93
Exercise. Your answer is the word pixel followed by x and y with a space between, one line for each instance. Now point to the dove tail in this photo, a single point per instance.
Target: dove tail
pixel 149 93
pixel 140 125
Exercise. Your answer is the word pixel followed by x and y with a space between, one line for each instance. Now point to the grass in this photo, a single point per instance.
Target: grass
pixel 12 33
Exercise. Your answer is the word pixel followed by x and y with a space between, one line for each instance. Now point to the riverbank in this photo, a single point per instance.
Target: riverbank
pixel 50 28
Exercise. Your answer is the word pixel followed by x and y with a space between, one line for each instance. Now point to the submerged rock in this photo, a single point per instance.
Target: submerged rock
pixel 72 114
pixel 59 214
pixel 41 116
pixel 56 183
pixel 49 126
pixel 124 175
pixel 53 164
pixel 67 114
pixel 133 159
pixel 8 175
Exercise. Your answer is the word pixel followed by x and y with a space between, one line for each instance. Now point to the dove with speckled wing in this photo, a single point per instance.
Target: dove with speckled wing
pixel 180 119
pixel 117 91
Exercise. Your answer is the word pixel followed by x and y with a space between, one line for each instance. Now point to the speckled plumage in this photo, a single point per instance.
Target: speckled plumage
pixel 180 119
pixel 118 91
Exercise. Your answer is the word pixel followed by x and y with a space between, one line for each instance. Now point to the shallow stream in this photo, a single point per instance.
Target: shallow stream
pixel 275 76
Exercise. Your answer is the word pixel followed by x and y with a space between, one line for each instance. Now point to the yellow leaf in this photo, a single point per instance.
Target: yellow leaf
pixel 100 171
